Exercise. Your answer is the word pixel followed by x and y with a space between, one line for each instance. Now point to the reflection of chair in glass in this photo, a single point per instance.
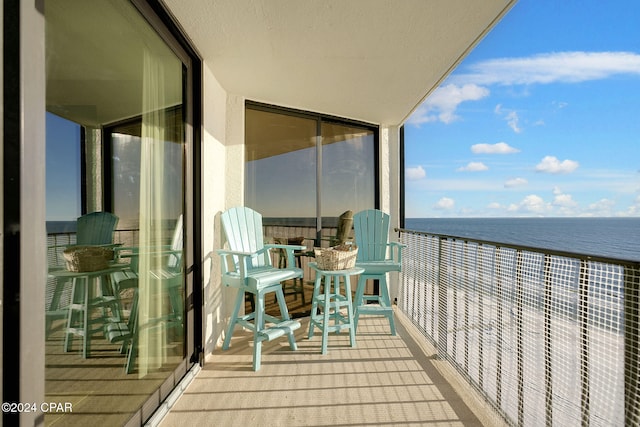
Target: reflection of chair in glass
pixel 345 224
pixel 378 257
pixel 247 266
pixel 95 228
pixel 166 285
pixel 126 333
pixel 168 271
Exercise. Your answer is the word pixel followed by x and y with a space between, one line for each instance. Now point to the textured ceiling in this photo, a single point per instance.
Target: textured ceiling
pixel 370 60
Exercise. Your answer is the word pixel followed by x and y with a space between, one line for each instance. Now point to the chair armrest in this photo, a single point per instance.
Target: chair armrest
pixel 105 245
pixel 134 251
pixel 243 259
pixel 289 250
pixel 396 251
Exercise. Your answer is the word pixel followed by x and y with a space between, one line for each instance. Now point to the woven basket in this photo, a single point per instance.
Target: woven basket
pixel 87 258
pixel 336 258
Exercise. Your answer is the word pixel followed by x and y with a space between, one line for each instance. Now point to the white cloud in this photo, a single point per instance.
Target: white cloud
pixel 557 67
pixel 473 167
pixel 547 68
pixel 515 182
pixel 530 204
pixel 562 200
pixel 498 148
pixel 494 205
pixel 416 173
pixel 443 102
pixel 511 116
pixel 633 209
pixel 512 120
pixel 602 207
pixel 551 164
pixel 444 203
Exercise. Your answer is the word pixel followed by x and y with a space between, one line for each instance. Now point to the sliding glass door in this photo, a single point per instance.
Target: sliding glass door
pixel 119 134
pixel 305 170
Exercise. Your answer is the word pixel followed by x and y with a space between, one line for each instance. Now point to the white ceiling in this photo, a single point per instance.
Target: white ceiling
pixel 370 60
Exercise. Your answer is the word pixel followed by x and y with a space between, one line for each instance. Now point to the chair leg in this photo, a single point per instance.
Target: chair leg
pixel 284 313
pixel 384 291
pixel 234 319
pixel 382 299
pixel 314 305
pixel 347 292
pixel 131 357
pixel 259 326
pixel 54 305
pixel 326 314
pixel 358 301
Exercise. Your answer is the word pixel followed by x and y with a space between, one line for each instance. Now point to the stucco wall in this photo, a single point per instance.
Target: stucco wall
pixel 213 202
pixel 222 188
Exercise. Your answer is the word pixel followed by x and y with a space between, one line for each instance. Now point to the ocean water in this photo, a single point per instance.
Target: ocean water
pixel 608 237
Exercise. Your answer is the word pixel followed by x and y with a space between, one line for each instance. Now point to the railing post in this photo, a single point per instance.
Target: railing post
pixel 583 321
pixel 467 291
pixel 499 326
pixel 442 303
pixel 519 332
pixel 454 289
pixel 548 356
pixel 481 292
pixel 631 346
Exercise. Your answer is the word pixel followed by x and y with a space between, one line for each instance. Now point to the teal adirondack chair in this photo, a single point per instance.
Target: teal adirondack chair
pixel 378 257
pixel 95 228
pixel 247 266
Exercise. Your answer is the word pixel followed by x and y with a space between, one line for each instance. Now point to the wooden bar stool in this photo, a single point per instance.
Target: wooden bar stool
pixel 332 303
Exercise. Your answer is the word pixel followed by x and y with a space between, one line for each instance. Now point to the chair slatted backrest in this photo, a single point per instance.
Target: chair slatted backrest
pixel 371 228
pixel 345 224
pixel 96 228
pixel 243 229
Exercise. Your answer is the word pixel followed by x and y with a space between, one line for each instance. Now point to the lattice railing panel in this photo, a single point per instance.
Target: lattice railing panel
pixel 548 338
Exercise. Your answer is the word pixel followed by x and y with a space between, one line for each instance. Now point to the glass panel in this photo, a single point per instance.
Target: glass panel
pixel 109 73
pixel 63 173
pixel 280 166
pixel 348 169
pixel 125 169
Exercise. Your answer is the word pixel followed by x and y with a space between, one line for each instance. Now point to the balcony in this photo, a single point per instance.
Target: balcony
pixel 488 334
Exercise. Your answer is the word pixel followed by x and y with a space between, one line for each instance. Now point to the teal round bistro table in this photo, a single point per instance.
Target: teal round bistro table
pixel 84 300
pixel 328 307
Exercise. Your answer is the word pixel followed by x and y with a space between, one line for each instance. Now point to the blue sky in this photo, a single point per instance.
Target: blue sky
pixel 540 119
pixel 63 169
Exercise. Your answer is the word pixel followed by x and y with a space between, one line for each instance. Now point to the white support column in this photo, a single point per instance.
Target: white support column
pixel 390 186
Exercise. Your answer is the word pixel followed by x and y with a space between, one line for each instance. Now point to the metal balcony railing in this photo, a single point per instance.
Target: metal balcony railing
pixel 547 337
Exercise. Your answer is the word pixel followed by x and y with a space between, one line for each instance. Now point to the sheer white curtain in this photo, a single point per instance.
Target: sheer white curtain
pixel 152 331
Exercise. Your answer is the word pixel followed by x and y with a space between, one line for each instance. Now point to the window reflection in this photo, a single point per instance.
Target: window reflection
pixel 348 169
pixel 280 164
pixel 116 145
pixel 282 153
